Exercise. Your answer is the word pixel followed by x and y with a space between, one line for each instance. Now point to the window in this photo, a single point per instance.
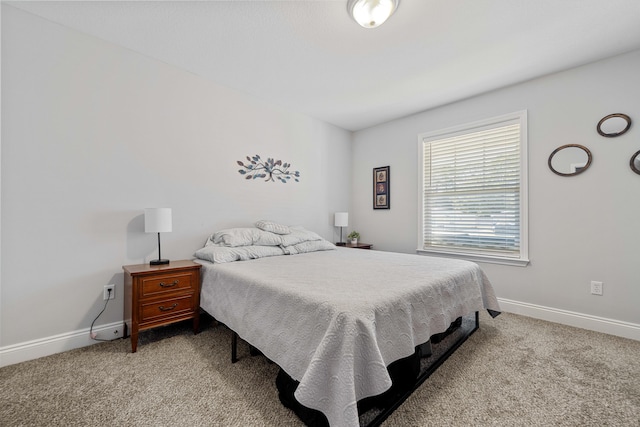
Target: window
pixel 474 190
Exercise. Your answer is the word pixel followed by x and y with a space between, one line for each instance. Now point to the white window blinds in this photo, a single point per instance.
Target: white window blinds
pixel 472 190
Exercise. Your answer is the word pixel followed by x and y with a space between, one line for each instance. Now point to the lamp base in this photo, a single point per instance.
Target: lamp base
pixel 159 262
pixel 341 244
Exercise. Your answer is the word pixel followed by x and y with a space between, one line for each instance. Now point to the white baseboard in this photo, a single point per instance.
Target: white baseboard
pixel 30 350
pixel 579 320
pixel 22 352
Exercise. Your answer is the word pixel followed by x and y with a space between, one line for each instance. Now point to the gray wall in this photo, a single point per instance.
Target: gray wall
pixel 93 133
pixel 581 228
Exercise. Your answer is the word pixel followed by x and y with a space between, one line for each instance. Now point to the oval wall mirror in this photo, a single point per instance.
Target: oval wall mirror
pixel 570 160
pixel 614 125
pixel 635 162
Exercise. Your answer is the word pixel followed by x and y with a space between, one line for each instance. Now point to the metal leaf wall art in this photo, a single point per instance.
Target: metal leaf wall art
pixel 271 169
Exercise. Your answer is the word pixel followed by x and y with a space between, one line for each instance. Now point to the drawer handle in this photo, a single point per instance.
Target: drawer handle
pixel 163 308
pixel 168 285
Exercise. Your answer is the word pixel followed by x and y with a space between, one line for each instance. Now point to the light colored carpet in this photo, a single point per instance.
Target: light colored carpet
pixel 514 371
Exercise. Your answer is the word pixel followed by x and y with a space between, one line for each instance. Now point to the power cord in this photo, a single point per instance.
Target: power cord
pixel 93 334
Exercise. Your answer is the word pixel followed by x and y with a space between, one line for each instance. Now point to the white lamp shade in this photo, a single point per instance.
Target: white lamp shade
pixel 157 220
pixel 341 219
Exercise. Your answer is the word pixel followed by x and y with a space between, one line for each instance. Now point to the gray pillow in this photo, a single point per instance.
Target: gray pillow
pixel 273 227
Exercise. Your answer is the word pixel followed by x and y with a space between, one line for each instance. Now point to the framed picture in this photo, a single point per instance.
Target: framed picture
pixel 381 184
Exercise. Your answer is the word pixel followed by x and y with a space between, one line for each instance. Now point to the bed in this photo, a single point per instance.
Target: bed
pixel 334 318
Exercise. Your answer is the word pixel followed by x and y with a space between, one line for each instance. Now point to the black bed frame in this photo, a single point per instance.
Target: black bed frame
pixel 383 408
pixel 384 414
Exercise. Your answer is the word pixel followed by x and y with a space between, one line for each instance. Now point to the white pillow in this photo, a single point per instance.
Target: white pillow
pixel 245 237
pixel 309 246
pixel 235 236
pixel 298 235
pixel 273 227
pixel 222 254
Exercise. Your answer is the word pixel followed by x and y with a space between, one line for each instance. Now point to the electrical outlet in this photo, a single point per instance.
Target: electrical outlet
pixel 106 295
pixel 596 288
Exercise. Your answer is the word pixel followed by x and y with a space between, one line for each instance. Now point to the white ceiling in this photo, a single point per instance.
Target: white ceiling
pixel 309 56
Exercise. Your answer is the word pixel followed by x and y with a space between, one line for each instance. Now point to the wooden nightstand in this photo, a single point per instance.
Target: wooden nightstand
pixel 359 245
pixel 156 295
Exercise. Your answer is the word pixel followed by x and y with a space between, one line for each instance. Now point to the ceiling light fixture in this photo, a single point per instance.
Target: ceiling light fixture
pixel 371 13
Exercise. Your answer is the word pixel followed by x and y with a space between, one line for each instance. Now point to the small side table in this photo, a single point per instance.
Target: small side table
pixel 157 295
pixel 359 245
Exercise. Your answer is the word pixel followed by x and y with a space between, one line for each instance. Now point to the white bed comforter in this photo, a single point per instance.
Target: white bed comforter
pixel 334 320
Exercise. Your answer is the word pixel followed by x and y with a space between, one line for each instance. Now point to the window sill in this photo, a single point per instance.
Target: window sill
pixel 518 262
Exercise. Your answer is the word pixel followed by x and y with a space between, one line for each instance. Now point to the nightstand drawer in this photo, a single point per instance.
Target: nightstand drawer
pixel 154 310
pixel 359 245
pixel 158 285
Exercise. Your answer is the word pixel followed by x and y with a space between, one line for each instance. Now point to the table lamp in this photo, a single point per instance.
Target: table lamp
pixel 341 219
pixel 157 220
